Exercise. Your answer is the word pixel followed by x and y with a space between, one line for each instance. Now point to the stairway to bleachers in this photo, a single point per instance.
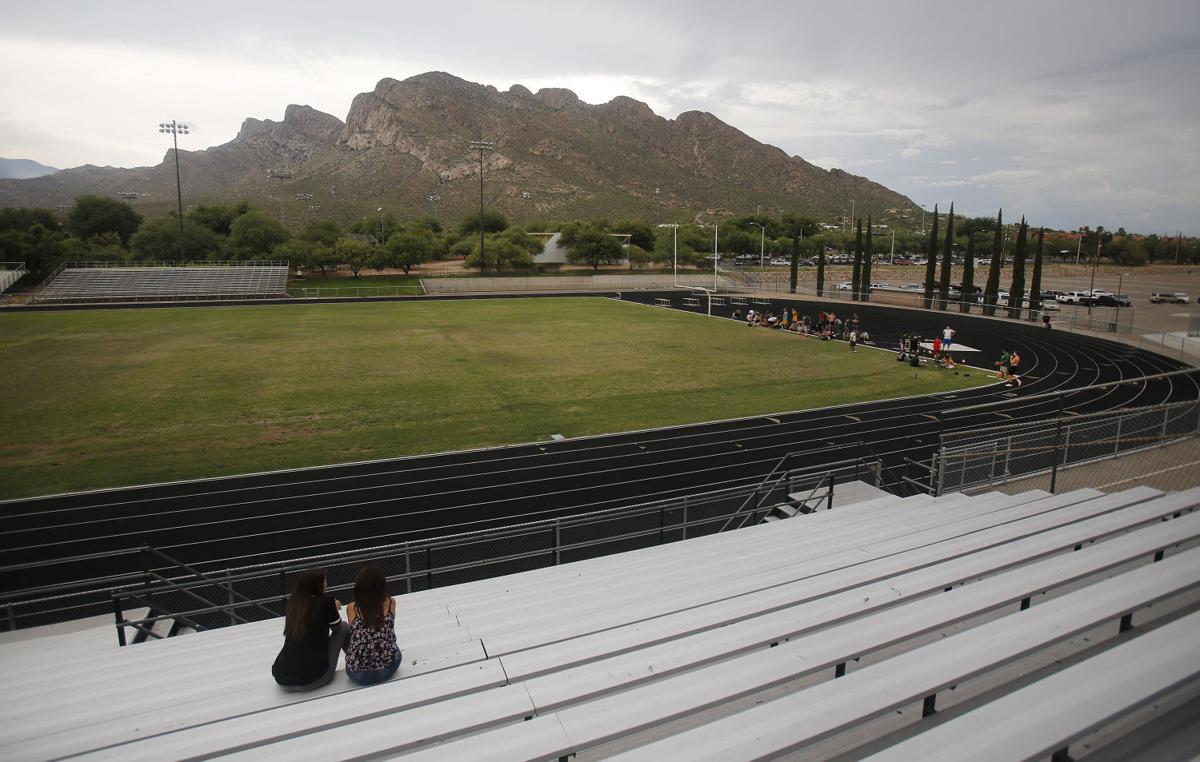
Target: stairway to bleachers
pixel 133 283
pixel 992 626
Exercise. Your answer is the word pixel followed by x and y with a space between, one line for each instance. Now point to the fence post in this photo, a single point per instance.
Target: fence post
pixel 407 570
pixel 428 567
pixel 660 525
pixel 1057 445
pixel 120 617
pixel 1117 438
pixel 558 539
pixel 685 517
pixel 1007 454
pixel 229 590
pixel 829 497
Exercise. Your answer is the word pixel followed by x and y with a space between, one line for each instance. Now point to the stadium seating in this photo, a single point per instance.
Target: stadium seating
pixel 827 627
pixel 114 284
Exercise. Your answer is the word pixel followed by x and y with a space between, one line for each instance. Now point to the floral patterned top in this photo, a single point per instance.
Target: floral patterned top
pixel 370 647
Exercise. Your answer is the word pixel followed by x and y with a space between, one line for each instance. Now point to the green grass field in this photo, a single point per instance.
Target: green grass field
pixel 114 397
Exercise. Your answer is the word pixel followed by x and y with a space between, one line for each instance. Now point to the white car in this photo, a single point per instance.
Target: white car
pixel 781 262
pixel 1159 296
pixel 1074 297
pixel 847 286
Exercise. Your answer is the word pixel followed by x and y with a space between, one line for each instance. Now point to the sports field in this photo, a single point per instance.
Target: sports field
pixel 115 397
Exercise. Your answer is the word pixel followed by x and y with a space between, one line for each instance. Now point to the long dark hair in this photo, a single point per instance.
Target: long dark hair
pixel 301 606
pixel 370 595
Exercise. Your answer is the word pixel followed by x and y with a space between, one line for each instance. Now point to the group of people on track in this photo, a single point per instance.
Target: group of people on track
pixel 826 326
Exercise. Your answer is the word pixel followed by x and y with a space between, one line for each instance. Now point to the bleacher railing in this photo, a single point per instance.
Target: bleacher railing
pixel 256 592
pixel 986 457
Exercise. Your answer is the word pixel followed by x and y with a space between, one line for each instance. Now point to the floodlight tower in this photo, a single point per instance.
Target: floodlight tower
pixel 281 175
pixel 176 129
pixel 481 145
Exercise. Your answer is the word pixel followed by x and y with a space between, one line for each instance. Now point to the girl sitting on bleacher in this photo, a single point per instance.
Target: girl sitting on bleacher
pixel 373 655
pixel 313 634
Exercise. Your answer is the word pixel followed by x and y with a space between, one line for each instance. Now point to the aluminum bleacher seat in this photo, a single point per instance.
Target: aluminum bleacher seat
pixel 134 283
pixel 928 593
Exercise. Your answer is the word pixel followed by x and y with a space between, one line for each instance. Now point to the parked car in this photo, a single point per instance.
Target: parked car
pixel 902 261
pixel 1050 306
pixel 781 262
pixel 846 286
pixel 1074 297
pixel 913 287
pixel 1159 297
pixel 745 259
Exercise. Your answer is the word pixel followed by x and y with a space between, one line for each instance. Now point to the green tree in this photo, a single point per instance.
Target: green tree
pixel 594 247
pixel 821 269
pixel 95 215
pixel 41 248
pixel 868 255
pixel 354 253
pixel 218 217
pixel 324 232
pixel 947 260
pixel 409 248
pixel 494 221
pixel 931 257
pixel 500 253
pixel 1016 294
pixel 967 291
pixel 299 253
pixel 991 290
pixel 640 233
pixel 158 239
pixel 254 235
pixel 638 257
pixel 24 218
pixel 1035 285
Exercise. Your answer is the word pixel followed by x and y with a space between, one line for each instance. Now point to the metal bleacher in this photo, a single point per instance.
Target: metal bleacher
pixel 108 282
pixel 993 626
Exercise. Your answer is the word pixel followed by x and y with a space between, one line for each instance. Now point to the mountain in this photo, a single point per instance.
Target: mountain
pixel 406 146
pixel 20 169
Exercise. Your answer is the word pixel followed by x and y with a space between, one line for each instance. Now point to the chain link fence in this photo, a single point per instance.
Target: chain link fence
pixel 977 458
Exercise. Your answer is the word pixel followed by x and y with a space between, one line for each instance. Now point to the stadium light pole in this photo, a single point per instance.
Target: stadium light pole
pixel 675 256
pixel 762 245
pixel 382 237
pixel 1095 261
pixel 482 145
pixel 176 129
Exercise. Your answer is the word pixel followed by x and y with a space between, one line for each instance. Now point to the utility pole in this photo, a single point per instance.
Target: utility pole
pixel 176 129
pixel 1178 241
pixel 482 145
pixel 1079 246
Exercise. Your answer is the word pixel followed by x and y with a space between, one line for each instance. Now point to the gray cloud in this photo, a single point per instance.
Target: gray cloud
pixel 1069 112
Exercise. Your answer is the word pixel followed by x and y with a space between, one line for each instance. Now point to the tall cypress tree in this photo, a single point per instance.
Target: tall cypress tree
pixel 868 255
pixel 944 283
pixel 795 261
pixel 1016 294
pixel 931 260
pixel 968 281
pixel 1035 284
pixel 820 269
pixel 856 277
pixel 993 282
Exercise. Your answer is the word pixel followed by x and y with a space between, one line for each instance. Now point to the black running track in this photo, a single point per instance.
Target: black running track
pixel 230 522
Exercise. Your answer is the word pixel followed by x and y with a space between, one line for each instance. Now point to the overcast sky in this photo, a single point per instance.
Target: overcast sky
pixel 1072 113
